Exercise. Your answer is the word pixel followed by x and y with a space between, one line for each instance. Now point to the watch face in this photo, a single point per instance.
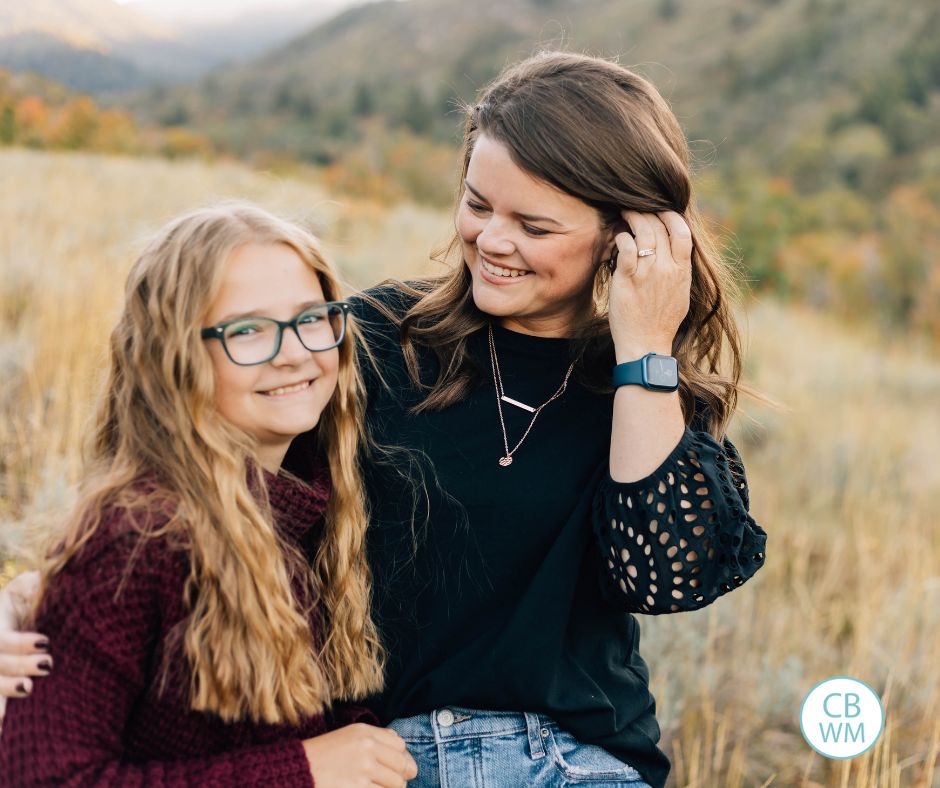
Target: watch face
pixel 662 371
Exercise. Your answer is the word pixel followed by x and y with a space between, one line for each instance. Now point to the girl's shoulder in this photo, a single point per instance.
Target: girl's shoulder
pixel 128 543
pixel 115 595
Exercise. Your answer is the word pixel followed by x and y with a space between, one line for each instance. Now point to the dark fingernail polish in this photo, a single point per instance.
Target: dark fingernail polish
pixel 21 688
pixel 45 666
pixel 42 645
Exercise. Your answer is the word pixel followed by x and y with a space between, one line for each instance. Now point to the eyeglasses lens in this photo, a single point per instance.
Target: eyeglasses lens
pixel 255 339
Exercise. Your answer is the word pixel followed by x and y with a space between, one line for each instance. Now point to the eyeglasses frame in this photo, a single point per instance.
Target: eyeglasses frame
pixel 218 332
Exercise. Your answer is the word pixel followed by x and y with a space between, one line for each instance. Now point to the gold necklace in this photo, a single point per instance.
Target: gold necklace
pixel 506 459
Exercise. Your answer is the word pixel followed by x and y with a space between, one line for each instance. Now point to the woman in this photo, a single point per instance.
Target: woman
pixel 550 504
pixel 204 609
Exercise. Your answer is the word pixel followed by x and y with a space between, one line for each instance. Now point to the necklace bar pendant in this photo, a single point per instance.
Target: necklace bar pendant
pixel 518 404
pixel 504 461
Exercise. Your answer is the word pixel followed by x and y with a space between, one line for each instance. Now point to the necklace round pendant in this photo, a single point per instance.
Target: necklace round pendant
pixel 504 461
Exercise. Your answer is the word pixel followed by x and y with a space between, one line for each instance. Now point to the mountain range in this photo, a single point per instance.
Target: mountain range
pixel 102 47
pixel 755 76
pixel 817 91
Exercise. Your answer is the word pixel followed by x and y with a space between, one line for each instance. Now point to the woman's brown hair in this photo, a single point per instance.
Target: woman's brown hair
pixel 604 134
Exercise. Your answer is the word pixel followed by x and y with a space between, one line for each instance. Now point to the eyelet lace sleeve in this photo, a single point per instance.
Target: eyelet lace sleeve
pixel 680 538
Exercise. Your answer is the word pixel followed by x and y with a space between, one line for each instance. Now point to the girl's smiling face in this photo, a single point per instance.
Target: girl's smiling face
pixel 531 249
pixel 275 401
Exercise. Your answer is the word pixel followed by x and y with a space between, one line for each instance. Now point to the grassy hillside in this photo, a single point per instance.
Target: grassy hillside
pixel 71 225
pixel 844 481
pixel 40 114
pixel 815 124
pixel 748 78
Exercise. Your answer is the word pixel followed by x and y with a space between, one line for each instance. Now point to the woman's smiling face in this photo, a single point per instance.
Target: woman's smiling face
pixel 531 249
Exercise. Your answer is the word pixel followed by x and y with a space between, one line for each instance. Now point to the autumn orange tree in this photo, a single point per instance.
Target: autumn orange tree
pixel 37 113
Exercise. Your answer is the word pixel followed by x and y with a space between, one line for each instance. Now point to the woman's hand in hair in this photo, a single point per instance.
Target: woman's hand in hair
pixel 649 295
pixel 359 755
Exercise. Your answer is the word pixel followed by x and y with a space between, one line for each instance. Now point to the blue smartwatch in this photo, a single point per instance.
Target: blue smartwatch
pixel 653 372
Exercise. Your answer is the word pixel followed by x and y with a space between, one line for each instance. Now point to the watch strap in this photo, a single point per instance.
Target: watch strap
pixel 638 373
pixel 629 373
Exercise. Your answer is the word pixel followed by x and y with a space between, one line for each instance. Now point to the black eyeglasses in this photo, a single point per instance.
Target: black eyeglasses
pixel 255 340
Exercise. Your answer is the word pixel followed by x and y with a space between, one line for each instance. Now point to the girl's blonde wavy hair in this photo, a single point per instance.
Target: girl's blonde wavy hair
pixel 249 647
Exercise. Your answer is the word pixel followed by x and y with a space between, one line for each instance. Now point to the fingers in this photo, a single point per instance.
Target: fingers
pixel 626 254
pixel 12 666
pixel 22 644
pixel 394 754
pixel 15 688
pixel 663 248
pixel 15 670
pixel 650 236
pixel 389 738
pixel 22 655
pixel 666 233
pixel 411 768
pixel 388 778
pixel 393 764
pixel 680 236
pixel 644 234
pixel 401 763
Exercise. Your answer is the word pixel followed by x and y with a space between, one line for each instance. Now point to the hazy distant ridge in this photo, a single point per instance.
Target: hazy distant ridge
pixel 760 74
pixel 99 46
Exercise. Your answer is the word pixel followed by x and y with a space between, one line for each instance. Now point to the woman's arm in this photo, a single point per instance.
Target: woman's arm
pixel 682 536
pixel 672 515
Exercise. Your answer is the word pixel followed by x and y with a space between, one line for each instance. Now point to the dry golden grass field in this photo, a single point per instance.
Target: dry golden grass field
pixel 845 480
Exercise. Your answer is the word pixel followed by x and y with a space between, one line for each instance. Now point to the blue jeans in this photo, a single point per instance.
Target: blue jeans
pixel 467 748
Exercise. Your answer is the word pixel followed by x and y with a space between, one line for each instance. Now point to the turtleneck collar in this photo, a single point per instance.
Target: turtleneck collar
pixel 298 505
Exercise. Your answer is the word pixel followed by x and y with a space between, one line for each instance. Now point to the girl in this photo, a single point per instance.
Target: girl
pixel 205 609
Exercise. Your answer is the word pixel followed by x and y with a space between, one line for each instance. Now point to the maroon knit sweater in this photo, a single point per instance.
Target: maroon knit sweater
pixel 98 718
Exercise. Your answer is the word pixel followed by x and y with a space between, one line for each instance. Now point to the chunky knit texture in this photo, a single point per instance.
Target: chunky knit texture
pixel 99 717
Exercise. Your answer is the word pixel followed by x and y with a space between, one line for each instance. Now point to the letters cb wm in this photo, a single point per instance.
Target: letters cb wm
pixel 841 717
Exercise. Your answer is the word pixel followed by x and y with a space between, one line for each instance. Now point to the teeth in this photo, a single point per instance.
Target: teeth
pixel 509 273
pixel 289 389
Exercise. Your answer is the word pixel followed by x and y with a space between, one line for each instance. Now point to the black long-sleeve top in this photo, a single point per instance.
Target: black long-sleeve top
pixel 511 588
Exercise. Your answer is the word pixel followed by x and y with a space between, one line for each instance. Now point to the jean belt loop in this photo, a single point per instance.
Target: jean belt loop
pixel 534 729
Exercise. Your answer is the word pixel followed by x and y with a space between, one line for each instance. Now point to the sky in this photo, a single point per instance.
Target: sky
pixel 217 10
